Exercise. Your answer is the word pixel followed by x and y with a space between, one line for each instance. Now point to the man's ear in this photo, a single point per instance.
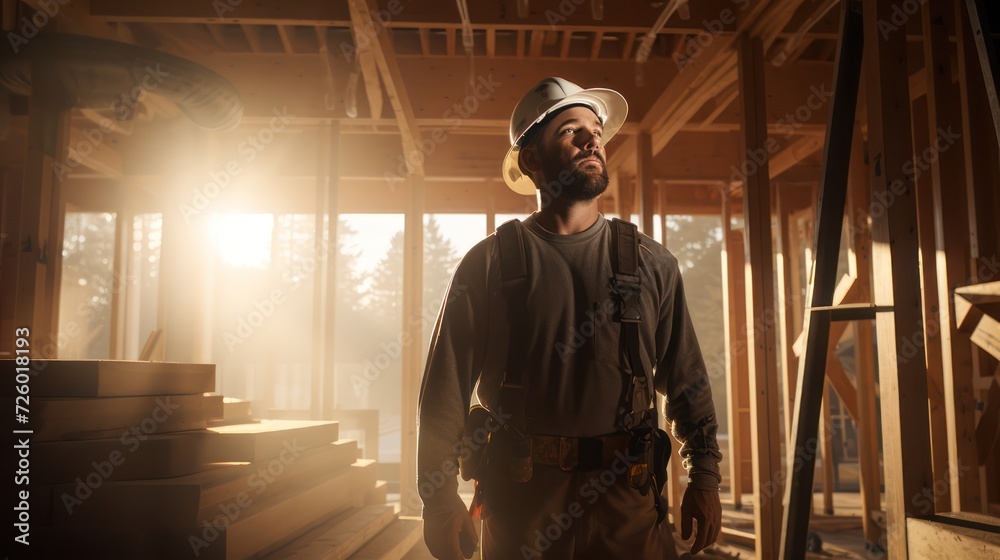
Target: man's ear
pixel 529 159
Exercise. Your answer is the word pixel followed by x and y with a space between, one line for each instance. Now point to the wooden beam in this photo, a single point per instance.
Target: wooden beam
pixel 826 444
pixel 951 227
pixel 595 46
pixel 425 40
pixel 859 263
pixel 252 34
pixel 903 382
pixel 736 344
pixel 988 61
pixel 449 41
pixel 537 42
pixel 822 284
pixel 954 535
pixel 519 50
pixel 413 259
pixel 644 182
pixel 929 300
pixel 795 152
pixel 285 32
pixel 628 45
pixel 722 102
pixel 215 30
pixel 99 157
pixel 385 58
pixel 491 42
pixel 760 306
pixel 567 38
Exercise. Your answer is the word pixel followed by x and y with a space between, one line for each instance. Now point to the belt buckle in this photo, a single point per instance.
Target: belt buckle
pixel 568 460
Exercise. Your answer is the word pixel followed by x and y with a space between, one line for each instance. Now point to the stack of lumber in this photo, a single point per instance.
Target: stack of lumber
pixel 136 460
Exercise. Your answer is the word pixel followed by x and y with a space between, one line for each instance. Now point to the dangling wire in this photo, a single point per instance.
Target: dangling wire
pixel 351 95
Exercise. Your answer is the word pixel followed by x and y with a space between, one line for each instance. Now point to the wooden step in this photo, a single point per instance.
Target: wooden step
pixel 126 458
pixel 268 524
pixel 112 378
pixel 267 439
pixel 55 419
pixel 183 501
pixel 235 411
pixel 340 537
pixel 394 542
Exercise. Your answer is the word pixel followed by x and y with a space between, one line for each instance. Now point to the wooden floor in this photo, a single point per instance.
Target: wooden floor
pixel 840 533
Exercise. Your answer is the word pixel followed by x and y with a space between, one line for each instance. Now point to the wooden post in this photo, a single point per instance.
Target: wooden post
pixel 760 305
pixel 32 308
pixel 822 284
pixel 902 380
pixel 644 182
pixel 625 201
pixel 869 466
pixel 826 444
pixel 786 302
pixel 951 226
pixel 319 304
pixel 413 261
pixel 664 209
pixel 332 186
pixel 931 314
pixel 983 39
pixel 734 307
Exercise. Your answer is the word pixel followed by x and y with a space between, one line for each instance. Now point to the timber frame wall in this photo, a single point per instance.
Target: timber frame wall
pixel 738 129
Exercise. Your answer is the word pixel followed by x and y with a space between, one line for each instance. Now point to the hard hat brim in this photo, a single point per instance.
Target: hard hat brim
pixel 609 105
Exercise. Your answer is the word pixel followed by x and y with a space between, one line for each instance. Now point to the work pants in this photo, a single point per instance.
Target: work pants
pixel 559 515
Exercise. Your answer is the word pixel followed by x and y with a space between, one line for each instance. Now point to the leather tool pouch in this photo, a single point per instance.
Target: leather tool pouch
pixel 491 448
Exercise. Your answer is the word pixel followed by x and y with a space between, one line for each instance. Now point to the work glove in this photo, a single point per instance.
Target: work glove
pixel 705 507
pixel 449 531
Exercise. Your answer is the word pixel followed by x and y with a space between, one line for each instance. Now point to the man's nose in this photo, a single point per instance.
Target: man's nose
pixel 591 141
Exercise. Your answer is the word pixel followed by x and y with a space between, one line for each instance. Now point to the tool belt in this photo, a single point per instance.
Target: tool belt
pixel 580 454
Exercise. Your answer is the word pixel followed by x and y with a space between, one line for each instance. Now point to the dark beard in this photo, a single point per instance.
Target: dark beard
pixel 575 184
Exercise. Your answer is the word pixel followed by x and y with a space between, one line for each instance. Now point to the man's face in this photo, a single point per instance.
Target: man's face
pixel 570 152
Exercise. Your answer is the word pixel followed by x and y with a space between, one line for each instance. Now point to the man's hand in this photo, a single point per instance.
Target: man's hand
pixel 705 507
pixel 449 532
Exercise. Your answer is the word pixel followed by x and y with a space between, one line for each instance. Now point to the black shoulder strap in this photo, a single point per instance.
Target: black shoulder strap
pixel 627 286
pixel 514 282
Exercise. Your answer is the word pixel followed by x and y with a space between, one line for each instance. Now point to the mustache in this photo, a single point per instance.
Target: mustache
pixel 590 154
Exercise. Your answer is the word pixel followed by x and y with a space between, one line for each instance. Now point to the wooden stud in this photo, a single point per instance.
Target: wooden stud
pixel 931 315
pixel 413 236
pixel 867 427
pixel 826 444
pixel 537 42
pixel 519 51
pixel 822 285
pixel 331 176
pixel 628 46
pixel 903 382
pixel 425 40
pixel 252 34
pixel 449 41
pixel 567 38
pixel 952 251
pixel 644 182
pixel 985 46
pixel 595 47
pixel 760 306
pixel 215 30
pixel 285 32
pixel 319 334
pixel 491 42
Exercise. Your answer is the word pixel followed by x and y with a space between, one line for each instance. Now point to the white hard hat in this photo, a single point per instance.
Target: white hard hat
pixel 550 95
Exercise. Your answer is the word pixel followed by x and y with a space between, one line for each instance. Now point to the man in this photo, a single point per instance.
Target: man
pixel 578 490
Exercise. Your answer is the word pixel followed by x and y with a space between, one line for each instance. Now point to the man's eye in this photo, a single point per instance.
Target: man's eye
pixel 565 130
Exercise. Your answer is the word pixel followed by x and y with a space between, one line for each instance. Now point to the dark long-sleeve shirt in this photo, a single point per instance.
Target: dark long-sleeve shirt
pixel 574 370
